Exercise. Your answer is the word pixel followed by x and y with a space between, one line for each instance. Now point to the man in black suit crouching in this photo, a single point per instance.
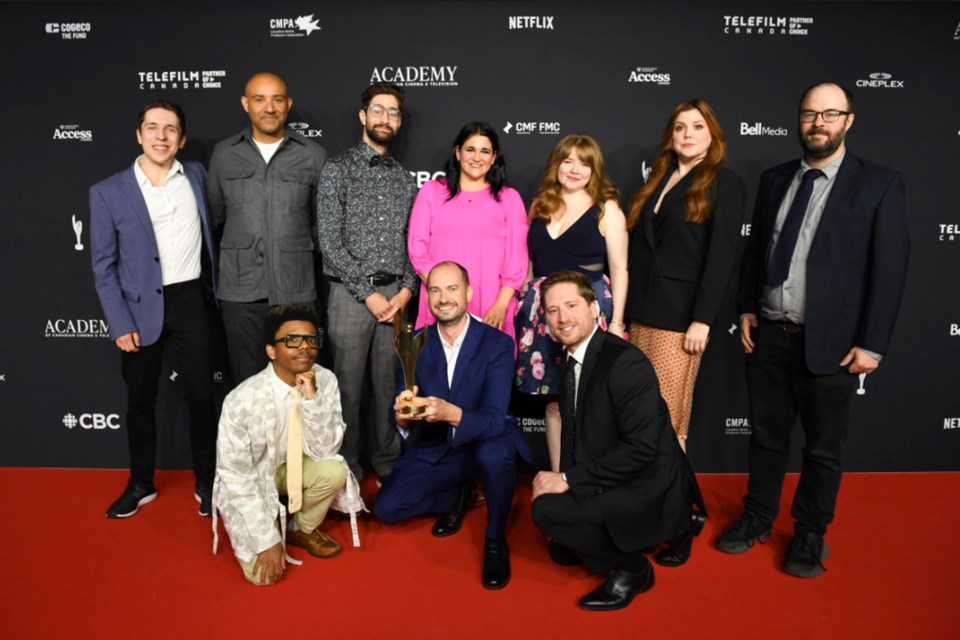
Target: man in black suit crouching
pixel 624 484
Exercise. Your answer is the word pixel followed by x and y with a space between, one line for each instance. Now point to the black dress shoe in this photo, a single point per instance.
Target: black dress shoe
pixel 678 550
pixel 496 563
pixel 618 591
pixel 561 555
pixel 449 523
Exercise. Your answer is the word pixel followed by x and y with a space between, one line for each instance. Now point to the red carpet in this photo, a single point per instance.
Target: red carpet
pixel 893 572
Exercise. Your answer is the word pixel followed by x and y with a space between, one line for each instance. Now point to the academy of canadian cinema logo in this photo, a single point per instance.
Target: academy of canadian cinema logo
pixel 880 80
pixel 76 328
pixel 298 27
pixel 949 232
pixel 530 22
pixel 181 79
pixel 767 25
pixel 527 127
pixel 650 75
pixel 303 128
pixel 416 76
pixel 68 30
pixel 72 132
pixel 760 129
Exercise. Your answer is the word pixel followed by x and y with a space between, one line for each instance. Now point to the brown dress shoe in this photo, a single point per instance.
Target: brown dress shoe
pixel 317 544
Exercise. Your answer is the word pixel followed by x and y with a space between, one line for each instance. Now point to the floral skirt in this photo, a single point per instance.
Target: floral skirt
pixel 538 353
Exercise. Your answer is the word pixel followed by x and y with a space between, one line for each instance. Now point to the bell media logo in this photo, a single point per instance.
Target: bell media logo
pixel 92 421
pixel 76 328
pixel 954 330
pixel 298 27
pixel 650 75
pixel 880 80
pixel 530 22
pixel 419 76
pixel 767 25
pixel 303 128
pixel 527 127
pixel 72 133
pixel 68 30
pixel 760 129
pixel 181 79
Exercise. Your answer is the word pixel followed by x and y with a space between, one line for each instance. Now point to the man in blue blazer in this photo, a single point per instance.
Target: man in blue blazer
pixel 153 262
pixel 463 383
pixel 821 284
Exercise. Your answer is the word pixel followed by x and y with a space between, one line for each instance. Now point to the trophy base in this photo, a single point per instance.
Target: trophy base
pixel 414 410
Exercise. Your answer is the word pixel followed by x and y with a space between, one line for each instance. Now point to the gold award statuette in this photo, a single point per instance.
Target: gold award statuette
pixel 408 347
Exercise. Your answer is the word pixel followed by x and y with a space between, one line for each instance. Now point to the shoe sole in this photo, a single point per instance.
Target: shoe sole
pixel 144 500
pixel 811 572
pixel 738 549
pixel 299 546
pixel 623 605
pixel 496 587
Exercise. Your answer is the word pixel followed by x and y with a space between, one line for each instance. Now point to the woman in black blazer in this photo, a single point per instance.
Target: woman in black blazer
pixel 684 249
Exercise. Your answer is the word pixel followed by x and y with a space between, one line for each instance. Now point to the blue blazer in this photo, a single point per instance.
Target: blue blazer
pixel 482 384
pixel 123 249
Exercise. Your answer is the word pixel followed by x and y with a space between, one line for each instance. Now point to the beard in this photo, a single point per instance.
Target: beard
pixel 820 150
pixel 380 137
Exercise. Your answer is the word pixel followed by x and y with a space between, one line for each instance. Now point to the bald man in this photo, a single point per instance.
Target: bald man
pixel 262 191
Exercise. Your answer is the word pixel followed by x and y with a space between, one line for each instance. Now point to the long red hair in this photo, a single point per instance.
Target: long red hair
pixel 548 199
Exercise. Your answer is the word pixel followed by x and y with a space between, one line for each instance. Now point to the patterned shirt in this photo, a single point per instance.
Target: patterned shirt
pixel 362 216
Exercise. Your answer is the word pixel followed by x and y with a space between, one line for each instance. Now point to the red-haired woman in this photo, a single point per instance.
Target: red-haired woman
pixel 684 250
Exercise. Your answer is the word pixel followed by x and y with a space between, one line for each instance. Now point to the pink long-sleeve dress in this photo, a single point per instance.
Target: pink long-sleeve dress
pixel 487 237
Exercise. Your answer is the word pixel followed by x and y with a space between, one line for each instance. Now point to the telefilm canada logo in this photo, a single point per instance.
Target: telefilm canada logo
pixel 76 328
pixel 767 25
pixel 760 129
pixel 737 426
pixel 92 421
pixel 298 27
pixel 305 130
pixel 416 76
pixel 530 22
pixel 880 80
pixel 650 75
pixel 68 30
pixel 949 232
pixel 527 127
pixel 72 133
pixel 184 79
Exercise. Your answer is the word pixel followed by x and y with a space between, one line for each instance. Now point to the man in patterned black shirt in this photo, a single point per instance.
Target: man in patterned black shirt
pixel 363 205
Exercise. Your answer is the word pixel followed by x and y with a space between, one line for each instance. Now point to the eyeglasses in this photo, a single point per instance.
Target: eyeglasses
pixel 295 341
pixel 378 110
pixel 830 115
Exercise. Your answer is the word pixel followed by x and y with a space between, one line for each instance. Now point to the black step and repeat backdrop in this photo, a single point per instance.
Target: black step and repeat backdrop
pixel 77 74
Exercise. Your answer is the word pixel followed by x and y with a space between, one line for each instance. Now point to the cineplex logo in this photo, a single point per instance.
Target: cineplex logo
pixel 530 22
pixel 528 127
pixel 949 232
pixel 880 80
pixel 182 79
pixel 650 75
pixel 304 129
pixel 298 27
pixel 69 30
pixel 76 328
pixel 94 421
pixel 767 25
pixel 422 76
pixel 72 132
pixel 760 129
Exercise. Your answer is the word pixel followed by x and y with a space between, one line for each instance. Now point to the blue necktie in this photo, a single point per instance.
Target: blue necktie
pixel 783 253
pixel 568 415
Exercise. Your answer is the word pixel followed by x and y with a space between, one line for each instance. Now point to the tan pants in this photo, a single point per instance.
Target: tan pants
pixel 675 368
pixel 322 480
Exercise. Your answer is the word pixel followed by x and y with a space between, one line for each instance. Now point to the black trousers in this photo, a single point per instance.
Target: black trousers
pixel 243 327
pixel 187 333
pixel 780 389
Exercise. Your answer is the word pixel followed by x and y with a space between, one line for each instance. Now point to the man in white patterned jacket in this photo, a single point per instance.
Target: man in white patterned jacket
pixel 291 393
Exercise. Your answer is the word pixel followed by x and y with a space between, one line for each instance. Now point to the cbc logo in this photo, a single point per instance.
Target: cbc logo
pixel 92 421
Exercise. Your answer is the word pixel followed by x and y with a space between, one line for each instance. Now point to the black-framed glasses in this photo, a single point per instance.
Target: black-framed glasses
pixel 296 340
pixel 830 115
pixel 378 110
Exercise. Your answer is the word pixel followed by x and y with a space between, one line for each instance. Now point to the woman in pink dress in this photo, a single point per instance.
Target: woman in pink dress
pixel 471 217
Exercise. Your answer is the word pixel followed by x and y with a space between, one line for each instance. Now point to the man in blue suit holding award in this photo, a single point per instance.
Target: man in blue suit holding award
pixel 153 262
pixel 463 383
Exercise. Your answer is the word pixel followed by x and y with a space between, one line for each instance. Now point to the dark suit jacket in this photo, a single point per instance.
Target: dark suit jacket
pixel 627 454
pixel 123 249
pixel 482 383
pixel 681 271
pixel 857 266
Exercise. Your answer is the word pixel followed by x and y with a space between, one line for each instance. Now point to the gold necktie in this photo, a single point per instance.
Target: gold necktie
pixel 294 454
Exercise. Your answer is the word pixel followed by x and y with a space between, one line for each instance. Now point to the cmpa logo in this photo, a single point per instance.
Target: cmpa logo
pixel 72 132
pixel 298 27
pixel 93 421
pixel 880 80
pixel 649 75
pixel 530 22
pixel 76 328
pixel 767 25
pixel 304 130
pixel 422 177
pixel 737 426
pixel 528 127
pixel 68 30
pixel 181 79
pixel 422 76
pixel 760 129
pixel 949 232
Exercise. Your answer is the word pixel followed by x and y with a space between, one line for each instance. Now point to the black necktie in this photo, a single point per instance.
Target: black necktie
pixel 384 160
pixel 568 415
pixel 787 242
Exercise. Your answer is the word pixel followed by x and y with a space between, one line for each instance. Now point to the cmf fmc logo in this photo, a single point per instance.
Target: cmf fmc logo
pixel 94 421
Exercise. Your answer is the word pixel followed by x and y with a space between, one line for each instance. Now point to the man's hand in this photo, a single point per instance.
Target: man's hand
pixel 380 307
pixel 747 323
pixel 401 298
pixel 439 410
pixel 549 482
pixel 129 342
pixel 307 383
pixel 860 361
pixel 695 339
pixel 401 402
pixel 270 564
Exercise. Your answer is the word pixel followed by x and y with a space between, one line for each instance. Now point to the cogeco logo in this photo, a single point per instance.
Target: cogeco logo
pixel 92 421
pixel 69 30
